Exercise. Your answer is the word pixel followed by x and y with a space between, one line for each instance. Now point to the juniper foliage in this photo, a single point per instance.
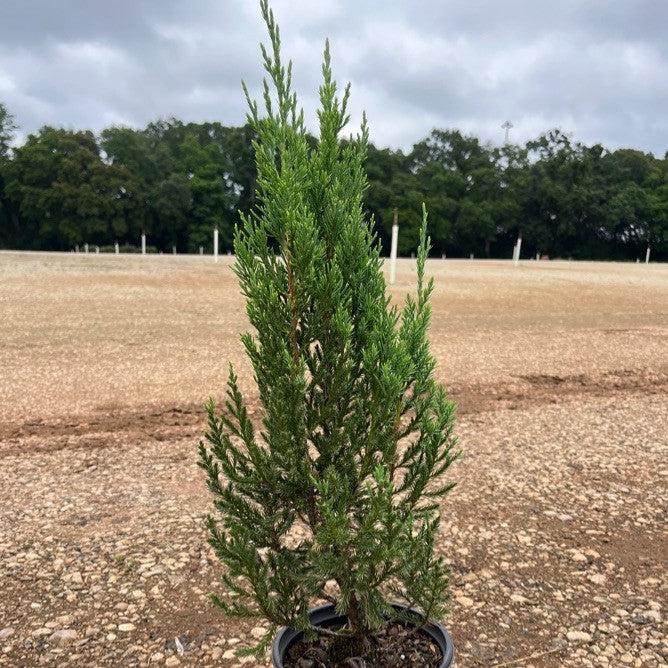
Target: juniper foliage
pixel 335 494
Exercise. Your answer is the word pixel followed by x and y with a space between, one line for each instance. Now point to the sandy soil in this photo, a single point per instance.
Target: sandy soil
pixel 555 534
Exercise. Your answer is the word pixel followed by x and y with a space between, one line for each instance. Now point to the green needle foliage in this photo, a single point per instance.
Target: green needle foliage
pixel 335 495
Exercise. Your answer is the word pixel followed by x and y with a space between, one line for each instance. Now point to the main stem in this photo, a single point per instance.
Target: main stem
pixel 356 622
pixel 292 296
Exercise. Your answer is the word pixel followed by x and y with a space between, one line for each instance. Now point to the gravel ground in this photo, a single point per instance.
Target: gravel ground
pixel 555 534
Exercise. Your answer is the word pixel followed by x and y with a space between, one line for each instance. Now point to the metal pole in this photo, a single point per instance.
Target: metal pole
pixel 116 249
pixel 506 126
pixel 215 244
pixel 519 248
pixel 647 256
pixel 143 243
pixel 393 248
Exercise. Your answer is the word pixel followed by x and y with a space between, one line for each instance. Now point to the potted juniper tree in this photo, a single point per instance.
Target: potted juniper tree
pixel 333 497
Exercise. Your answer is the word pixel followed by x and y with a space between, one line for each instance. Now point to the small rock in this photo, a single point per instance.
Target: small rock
pixel 579 636
pixel 465 601
pixel 126 627
pixel 258 632
pixel 178 644
pixel 75 578
pixel 229 654
pixel 64 637
pixel 172 661
pixel 5 633
pixel 654 615
pixel 597 578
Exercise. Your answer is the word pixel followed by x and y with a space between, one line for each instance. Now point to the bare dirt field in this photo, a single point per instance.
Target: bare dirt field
pixel 555 535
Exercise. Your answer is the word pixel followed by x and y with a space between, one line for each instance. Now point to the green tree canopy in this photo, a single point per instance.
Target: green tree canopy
pixel 179 180
pixel 65 194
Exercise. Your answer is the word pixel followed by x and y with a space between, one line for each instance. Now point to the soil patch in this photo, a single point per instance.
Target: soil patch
pixel 396 645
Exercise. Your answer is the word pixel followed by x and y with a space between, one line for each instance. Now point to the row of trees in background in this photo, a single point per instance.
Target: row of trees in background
pixel 177 181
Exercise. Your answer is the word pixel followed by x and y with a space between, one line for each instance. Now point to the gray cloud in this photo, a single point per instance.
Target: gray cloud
pixel 597 69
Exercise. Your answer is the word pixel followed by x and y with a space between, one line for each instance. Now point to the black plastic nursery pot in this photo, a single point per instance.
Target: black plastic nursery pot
pixel 326 616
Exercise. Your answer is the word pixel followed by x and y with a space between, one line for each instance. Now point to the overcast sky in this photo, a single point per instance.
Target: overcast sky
pixel 596 68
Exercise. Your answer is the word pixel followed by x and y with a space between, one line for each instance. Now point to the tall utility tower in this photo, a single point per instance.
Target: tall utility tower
pixel 506 126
